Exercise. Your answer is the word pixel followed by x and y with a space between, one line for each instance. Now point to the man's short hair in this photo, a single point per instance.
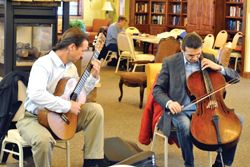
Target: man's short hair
pixel 192 40
pixel 121 18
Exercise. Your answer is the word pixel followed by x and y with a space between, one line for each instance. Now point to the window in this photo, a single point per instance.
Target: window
pixel 75 8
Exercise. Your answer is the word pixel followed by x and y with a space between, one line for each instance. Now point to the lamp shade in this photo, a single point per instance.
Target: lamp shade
pixel 107 6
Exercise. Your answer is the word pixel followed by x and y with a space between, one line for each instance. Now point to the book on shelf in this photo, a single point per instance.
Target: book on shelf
pixel 157 19
pixel 176 9
pixel 236 0
pixel 158 8
pixel 175 20
pixel 235 11
pixel 235 25
pixel 141 7
pixel 140 19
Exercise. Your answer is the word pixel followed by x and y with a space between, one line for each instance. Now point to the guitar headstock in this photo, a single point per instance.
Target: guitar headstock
pixel 99 42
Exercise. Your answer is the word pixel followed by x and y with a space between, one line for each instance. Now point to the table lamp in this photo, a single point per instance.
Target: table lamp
pixel 108 8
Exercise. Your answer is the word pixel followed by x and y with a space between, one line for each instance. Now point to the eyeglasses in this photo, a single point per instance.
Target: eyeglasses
pixel 191 56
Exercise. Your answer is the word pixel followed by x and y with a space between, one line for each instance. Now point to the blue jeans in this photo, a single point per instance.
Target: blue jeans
pixel 181 122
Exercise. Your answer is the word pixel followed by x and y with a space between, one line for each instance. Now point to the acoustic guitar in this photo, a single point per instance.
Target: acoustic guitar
pixel 63 125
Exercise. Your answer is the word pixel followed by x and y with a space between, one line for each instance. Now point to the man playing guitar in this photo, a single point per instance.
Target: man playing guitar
pixel 45 74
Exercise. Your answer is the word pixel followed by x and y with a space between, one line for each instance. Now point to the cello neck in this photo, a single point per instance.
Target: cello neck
pixel 206 78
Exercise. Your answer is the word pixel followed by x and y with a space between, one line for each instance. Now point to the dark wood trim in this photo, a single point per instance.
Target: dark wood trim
pixel 246 74
pixel 8 31
pixel 80 8
pixel 65 16
pixel 244 36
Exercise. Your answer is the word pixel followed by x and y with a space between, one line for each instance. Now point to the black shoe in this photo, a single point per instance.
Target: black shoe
pixel 113 62
pixel 123 68
pixel 217 164
pixel 29 162
pixel 93 163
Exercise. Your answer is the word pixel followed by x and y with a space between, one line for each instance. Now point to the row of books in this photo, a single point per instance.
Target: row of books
pixel 175 20
pixel 141 19
pixel 176 9
pixel 236 0
pixel 234 25
pixel 158 20
pixel 235 11
pixel 158 8
pixel 141 7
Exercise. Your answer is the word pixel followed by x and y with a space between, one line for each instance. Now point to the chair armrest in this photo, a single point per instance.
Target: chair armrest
pixel 152 70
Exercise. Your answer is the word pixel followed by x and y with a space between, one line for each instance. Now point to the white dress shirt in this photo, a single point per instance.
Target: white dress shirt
pixel 44 76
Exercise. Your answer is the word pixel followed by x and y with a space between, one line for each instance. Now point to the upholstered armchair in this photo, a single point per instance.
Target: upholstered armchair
pixel 96 25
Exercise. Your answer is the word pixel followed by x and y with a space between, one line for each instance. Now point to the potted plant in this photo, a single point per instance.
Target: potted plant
pixel 77 23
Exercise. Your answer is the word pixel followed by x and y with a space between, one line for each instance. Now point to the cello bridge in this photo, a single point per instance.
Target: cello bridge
pixel 212 104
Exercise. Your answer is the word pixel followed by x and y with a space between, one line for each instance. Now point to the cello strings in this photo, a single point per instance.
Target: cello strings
pixel 210 94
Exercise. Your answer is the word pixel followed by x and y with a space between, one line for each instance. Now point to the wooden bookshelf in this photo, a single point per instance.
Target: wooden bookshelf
pixel 235 21
pixel 234 16
pixel 157 16
pixel 158 12
pixel 177 14
pixel 201 16
pixel 141 12
pixel 149 16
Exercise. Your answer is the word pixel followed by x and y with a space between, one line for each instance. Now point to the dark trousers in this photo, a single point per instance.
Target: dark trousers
pixel 105 49
pixel 113 48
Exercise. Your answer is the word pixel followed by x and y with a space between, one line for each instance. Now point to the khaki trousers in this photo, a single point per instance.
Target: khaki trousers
pixel 90 120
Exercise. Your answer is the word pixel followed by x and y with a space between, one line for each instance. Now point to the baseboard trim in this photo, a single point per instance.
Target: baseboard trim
pixel 246 74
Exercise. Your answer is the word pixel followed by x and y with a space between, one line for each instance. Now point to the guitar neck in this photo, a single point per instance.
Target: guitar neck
pixel 83 78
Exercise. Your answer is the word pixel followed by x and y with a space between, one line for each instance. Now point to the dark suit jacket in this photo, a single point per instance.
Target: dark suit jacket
pixel 171 84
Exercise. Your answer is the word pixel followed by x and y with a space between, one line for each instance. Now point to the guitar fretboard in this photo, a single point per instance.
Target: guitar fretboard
pixel 83 78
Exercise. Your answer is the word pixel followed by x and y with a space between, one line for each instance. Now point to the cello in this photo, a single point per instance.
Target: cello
pixel 213 126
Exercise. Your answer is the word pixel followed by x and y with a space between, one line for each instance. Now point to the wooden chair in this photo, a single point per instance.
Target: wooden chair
pixel 126 51
pixel 14 137
pixel 133 79
pixel 167 47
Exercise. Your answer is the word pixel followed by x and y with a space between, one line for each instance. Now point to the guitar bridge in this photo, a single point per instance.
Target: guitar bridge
pixel 65 119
